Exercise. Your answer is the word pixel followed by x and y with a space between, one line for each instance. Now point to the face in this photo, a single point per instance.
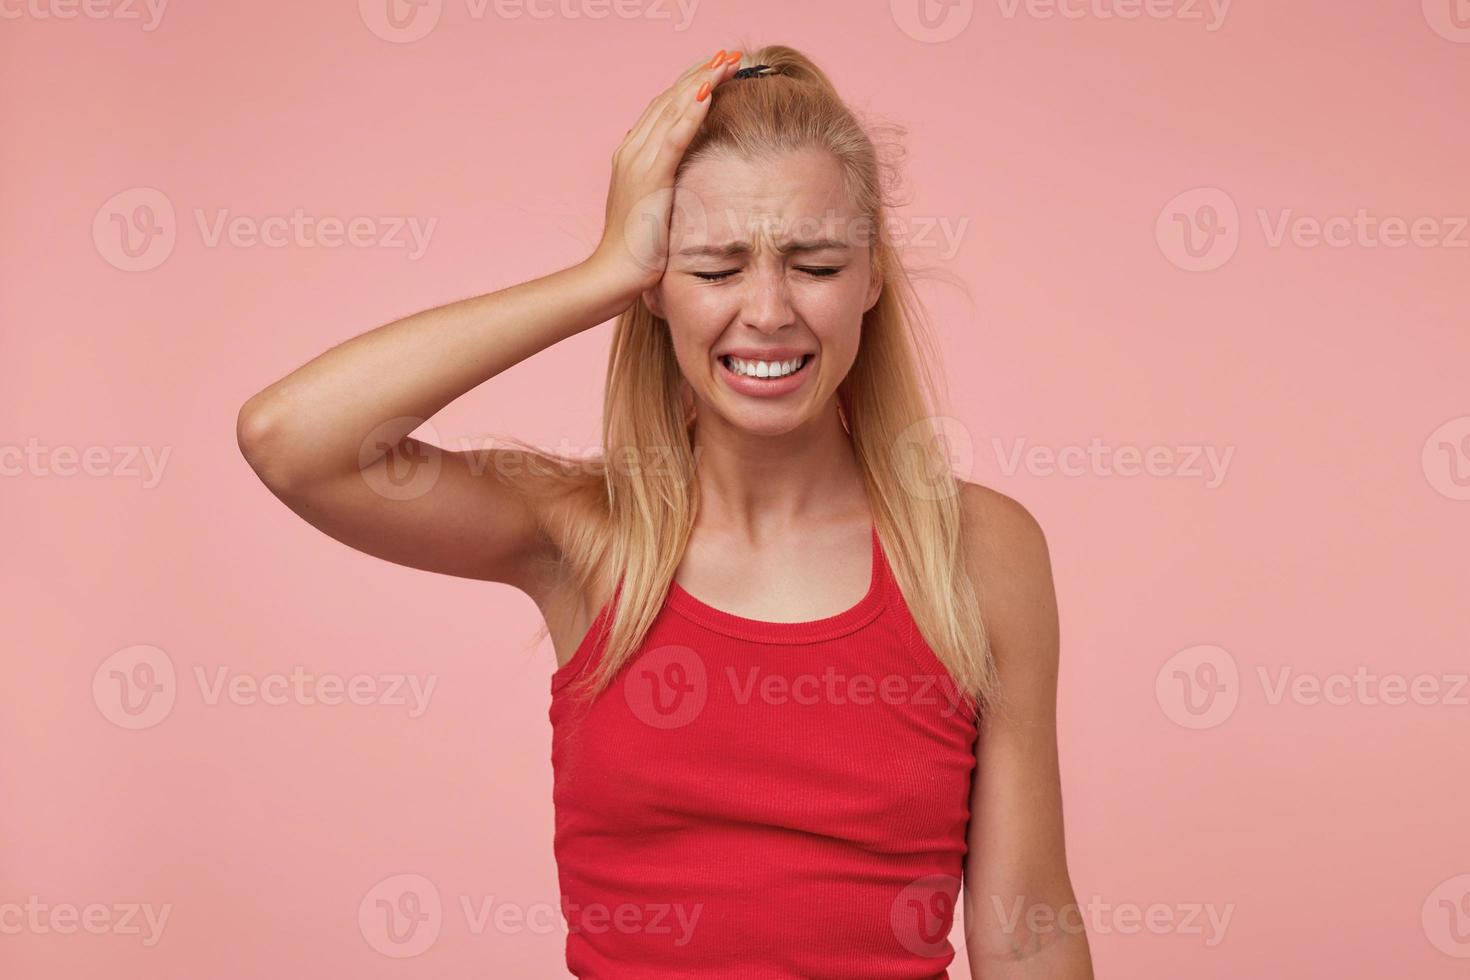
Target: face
pixel 769 264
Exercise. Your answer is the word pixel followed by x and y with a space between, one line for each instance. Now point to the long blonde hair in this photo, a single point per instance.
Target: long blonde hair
pixel 630 518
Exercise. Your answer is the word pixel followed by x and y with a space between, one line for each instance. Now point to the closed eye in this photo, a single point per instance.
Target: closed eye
pixel 818 272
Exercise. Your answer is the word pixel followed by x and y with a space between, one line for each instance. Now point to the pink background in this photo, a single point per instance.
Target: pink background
pixel 1055 150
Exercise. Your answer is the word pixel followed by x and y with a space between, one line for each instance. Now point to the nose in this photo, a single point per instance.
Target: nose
pixel 766 303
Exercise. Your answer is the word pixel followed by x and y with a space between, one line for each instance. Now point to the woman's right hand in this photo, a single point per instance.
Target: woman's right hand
pixel 635 236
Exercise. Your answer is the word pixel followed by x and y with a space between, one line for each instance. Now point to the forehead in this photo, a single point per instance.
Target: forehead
pixel 799 193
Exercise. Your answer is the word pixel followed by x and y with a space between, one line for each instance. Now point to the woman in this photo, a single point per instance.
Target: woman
pixel 798 766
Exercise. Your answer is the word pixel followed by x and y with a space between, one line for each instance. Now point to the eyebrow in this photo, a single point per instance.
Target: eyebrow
pixel 741 248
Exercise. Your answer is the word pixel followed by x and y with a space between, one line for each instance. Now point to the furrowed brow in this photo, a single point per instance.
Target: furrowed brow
pixel 717 251
pixel 734 249
pixel 813 245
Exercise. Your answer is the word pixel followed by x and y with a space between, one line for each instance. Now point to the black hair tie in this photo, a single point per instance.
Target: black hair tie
pixel 754 71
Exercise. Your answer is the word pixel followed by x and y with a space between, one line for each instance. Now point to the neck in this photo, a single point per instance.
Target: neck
pixel 754 487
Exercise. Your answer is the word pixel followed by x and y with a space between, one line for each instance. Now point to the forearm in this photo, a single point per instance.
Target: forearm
pixel 1039 937
pixel 389 379
pixel 1060 955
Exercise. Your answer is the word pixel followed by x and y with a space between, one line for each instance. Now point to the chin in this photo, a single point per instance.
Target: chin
pixel 765 420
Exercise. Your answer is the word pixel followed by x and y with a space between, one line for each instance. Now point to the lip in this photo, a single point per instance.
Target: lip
pixel 765 387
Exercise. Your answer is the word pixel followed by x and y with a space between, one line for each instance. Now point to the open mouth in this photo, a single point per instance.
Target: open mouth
pixel 765 371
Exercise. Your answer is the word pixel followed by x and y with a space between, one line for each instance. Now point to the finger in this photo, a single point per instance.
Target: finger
pixel 689 78
pixel 677 102
pixel 702 64
pixel 686 110
pixel 679 132
pixel 657 103
pixel 654 105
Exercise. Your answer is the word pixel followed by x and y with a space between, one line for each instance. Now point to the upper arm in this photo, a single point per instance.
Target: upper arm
pixel 424 507
pixel 1017 858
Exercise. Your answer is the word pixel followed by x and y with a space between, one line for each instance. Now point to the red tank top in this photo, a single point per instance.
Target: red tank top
pixel 763 800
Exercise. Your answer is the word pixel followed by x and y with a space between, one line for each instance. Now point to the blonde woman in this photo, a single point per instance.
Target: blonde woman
pixel 806 676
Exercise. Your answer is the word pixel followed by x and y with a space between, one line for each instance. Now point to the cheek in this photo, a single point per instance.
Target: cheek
pixel 696 323
pixel 697 319
pixel 834 314
pixel 682 302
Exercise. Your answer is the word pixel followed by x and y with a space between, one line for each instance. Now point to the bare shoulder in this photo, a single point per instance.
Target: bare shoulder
pixel 1002 532
pixel 1010 563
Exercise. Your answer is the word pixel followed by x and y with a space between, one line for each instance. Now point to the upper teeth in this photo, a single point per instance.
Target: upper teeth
pixel 763 369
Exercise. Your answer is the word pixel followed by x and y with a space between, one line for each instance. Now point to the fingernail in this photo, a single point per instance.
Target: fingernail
pixel 733 58
pixel 716 59
pixel 703 91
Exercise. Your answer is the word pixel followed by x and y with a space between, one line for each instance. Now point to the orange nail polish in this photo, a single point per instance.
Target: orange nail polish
pixel 733 58
pixel 716 59
pixel 703 91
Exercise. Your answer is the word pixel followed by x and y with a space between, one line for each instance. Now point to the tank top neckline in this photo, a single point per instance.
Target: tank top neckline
pixel 864 611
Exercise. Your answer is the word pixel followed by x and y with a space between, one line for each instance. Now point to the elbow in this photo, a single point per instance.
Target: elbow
pixel 250 427
pixel 258 434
